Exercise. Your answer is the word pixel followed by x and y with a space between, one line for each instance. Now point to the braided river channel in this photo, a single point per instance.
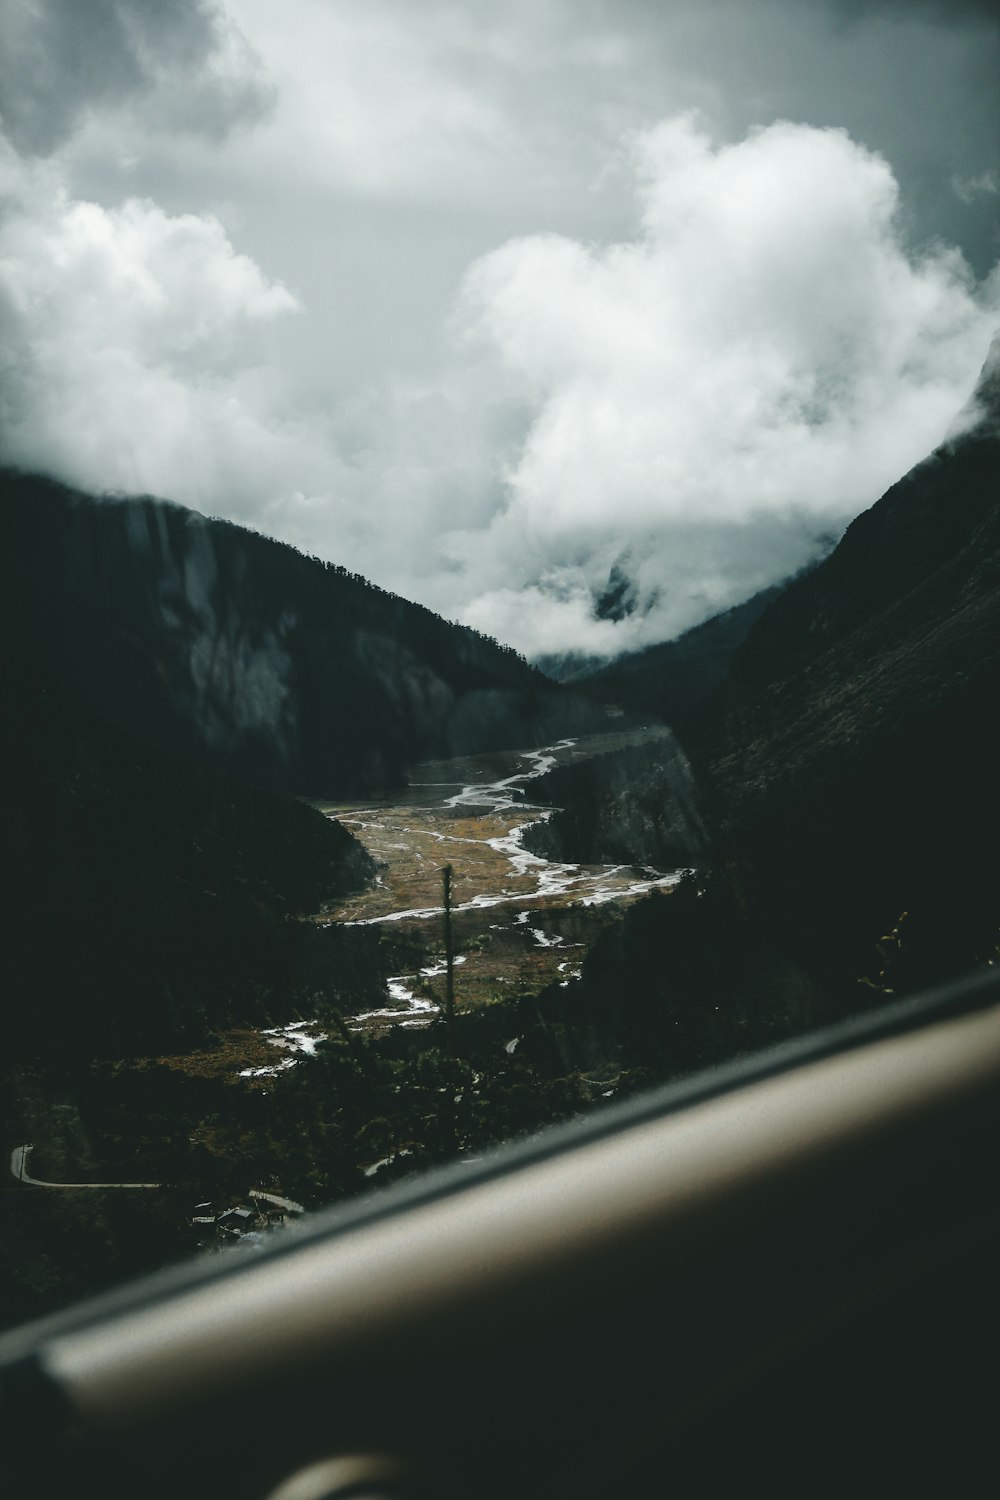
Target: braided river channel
pixel 520 921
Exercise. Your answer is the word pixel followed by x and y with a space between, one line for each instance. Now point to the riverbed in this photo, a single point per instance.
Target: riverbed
pixel 520 921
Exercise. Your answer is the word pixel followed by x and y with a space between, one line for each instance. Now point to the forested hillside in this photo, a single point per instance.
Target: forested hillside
pixel 670 681
pixel 148 897
pixel 846 768
pixel 900 621
pixel 208 639
pixel 850 763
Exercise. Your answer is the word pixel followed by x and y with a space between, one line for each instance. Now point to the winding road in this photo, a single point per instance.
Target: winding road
pixel 19 1169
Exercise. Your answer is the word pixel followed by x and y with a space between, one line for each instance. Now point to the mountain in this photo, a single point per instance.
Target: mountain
pixel 849 765
pixel 204 638
pixel 637 806
pixel 899 623
pixel 568 667
pixel 842 776
pixel 670 680
pixel 149 895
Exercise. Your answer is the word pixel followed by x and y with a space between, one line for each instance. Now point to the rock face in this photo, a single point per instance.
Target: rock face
pixel 204 638
pixel 634 806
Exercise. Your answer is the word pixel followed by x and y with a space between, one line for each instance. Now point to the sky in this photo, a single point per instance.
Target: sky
pixel 497 302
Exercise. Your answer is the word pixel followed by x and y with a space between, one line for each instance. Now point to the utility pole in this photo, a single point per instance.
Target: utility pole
pixel 449 962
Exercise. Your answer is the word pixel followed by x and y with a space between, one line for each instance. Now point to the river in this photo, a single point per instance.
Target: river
pixel 520 920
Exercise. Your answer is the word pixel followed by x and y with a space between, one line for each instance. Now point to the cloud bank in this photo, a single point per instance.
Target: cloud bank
pixel 713 397
pixel 129 357
pixel 731 347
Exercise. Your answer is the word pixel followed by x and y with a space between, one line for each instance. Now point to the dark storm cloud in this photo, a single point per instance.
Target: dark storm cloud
pixel 933 106
pixel 947 11
pixel 917 80
pixel 944 143
pixel 185 61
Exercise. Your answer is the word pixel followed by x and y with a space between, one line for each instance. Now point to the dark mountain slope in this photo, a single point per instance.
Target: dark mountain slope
pixel 207 639
pixel 640 806
pixel 635 806
pixel 850 764
pixel 901 619
pixel 898 620
pixel 148 896
pixel 670 680
pixel 847 775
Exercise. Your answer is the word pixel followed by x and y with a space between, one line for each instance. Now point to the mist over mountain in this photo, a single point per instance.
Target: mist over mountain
pixel 849 764
pixel 204 638
pixel 590 326
pixel 642 805
pixel 670 680
pixel 844 769
pixel 900 623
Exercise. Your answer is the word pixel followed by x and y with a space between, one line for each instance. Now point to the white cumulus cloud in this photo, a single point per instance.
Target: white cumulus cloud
pixel 131 356
pixel 757 365
pixel 698 407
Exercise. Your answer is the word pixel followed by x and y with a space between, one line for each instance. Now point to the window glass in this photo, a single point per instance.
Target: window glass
pixel 499 594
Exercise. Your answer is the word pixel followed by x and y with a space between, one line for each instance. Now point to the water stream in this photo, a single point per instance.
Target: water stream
pixel 435 810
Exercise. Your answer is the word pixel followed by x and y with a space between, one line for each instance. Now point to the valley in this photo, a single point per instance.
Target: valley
pixel 520 921
pixel 250 973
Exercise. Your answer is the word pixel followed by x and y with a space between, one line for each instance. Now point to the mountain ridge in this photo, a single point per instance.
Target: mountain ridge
pixel 903 614
pixel 671 679
pixel 214 641
pixel 844 770
pixel 848 764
